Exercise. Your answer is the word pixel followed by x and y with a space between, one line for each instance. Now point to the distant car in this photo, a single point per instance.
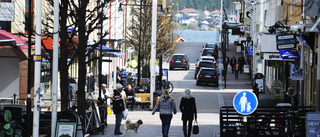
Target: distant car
pixel 203 63
pixel 211 45
pixel 208 75
pixel 209 52
pixel 209 58
pixel 179 61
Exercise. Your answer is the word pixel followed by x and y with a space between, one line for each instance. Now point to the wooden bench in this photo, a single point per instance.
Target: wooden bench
pixel 142 99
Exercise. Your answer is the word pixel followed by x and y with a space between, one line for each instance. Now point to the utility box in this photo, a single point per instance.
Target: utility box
pixel 313 124
pixel 238 48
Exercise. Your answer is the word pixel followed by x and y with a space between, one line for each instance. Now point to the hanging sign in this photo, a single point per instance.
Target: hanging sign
pixel 286 41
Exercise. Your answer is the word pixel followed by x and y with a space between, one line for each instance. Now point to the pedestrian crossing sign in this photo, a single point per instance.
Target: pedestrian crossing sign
pixel 245 102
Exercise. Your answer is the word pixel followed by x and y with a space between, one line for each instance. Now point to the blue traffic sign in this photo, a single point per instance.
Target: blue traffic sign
pixel 245 102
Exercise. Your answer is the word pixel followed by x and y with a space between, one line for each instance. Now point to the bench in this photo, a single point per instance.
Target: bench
pixel 141 99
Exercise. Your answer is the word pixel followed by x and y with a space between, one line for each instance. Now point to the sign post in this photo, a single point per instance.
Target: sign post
pixel 245 103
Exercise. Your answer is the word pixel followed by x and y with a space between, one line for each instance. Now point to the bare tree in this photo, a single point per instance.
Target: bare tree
pixel 165 28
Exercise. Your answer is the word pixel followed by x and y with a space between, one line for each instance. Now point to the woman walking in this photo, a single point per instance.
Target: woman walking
pixel 189 111
pixel 166 107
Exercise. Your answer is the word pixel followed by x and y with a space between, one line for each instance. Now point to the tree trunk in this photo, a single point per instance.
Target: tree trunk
pixel 82 64
pixel 64 85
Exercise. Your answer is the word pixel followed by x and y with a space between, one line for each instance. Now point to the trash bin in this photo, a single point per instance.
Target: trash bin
pixel 156 94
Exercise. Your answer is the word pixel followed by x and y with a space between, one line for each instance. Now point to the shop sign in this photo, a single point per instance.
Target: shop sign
pixel 274 56
pixel 277 87
pixel 244 28
pixel 296 73
pixel 286 41
pixel 289 54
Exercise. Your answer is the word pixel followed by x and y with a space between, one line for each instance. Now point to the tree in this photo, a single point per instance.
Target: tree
pixel 83 21
pixel 165 28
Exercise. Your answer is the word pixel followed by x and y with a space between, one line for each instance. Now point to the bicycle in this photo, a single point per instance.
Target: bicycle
pixel 167 85
pixel 291 128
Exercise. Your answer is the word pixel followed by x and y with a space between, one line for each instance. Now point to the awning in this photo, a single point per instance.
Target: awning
pixel 9 39
pixel 107 52
pixel 48 41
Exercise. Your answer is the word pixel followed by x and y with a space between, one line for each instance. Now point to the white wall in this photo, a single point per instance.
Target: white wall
pixel 9 77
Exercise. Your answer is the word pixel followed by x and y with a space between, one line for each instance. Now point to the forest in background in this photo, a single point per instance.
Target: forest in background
pixel 202 5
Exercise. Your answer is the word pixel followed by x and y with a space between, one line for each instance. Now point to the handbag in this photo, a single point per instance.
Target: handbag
pixel 109 110
pixel 125 113
pixel 195 128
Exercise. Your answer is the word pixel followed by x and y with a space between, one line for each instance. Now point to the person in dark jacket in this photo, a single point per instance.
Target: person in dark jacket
pixel 166 107
pixel 241 62
pixel 130 95
pixel 226 63
pixel 233 61
pixel 118 107
pixel 189 111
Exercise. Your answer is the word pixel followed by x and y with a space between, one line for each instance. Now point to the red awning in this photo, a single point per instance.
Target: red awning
pixel 48 41
pixel 7 39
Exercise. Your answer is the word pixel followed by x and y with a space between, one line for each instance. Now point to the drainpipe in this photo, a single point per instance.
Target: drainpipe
pixel 318 77
pixel 302 67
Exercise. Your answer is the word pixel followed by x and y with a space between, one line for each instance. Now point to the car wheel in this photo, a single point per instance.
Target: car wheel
pixel 197 83
pixel 170 68
pixel 188 68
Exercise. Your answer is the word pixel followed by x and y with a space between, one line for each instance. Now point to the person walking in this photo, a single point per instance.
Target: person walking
pixel 166 107
pixel 241 62
pixel 236 69
pixel 118 107
pixel 232 62
pixel 123 75
pixel 226 63
pixel 290 97
pixel 189 111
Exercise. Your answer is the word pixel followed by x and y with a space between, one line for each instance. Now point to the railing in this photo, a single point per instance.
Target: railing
pixel 263 122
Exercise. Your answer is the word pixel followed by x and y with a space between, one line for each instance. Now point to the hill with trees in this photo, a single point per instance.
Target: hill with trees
pixel 202 5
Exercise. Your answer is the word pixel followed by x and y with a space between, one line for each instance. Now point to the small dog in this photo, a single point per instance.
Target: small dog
pixel 132 126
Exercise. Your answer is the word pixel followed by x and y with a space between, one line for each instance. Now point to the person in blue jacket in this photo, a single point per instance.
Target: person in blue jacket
pixel 123 75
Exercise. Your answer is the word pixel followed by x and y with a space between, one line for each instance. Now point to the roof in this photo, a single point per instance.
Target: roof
pixel 178 38
pixel 216 11
pixel 178 54
pixel 7 39
pixel 188 10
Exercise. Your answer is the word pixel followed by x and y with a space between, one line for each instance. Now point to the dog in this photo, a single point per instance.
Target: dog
pixel 128 125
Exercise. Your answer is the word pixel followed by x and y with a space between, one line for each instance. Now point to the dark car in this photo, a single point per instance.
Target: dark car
pixel 209 52
pixel 203 63
pixel 208 75
pixel 179 61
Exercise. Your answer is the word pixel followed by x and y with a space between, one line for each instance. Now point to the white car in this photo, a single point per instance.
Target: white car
pixel 209 58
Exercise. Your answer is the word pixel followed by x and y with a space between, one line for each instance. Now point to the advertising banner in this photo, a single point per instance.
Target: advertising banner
pixel 277 87
pixel 296 73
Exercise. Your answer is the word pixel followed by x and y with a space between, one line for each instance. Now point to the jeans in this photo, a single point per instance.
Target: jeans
pixel 236 73
pixel 118 122
pixel 185 127
pixel 166 121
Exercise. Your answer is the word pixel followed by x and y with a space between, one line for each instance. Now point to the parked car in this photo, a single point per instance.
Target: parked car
pixel 208 75
pixel 203 63
pixel 211 45
pixel 209 58
pixel 179 61
pixel 209 52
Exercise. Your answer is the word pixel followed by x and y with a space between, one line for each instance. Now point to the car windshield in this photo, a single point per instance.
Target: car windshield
pixel 207 72
pixel 208 51
pixel 211 46
pixel 180 57
pixel 206 64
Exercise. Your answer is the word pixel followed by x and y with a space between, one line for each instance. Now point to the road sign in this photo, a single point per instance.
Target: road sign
pixel 245 102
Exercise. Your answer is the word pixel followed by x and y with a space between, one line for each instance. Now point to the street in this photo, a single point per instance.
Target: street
pixel 208 99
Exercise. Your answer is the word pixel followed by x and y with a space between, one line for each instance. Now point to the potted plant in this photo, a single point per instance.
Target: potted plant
pixel 7 128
